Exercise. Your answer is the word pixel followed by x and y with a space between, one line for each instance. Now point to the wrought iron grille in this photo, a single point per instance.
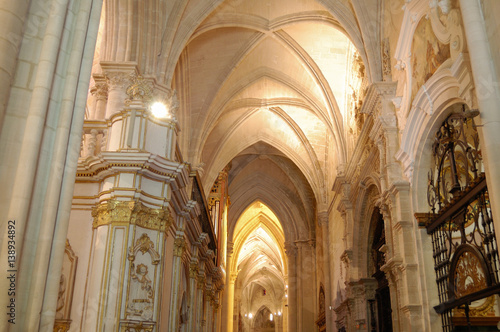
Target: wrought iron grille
pixel 460 224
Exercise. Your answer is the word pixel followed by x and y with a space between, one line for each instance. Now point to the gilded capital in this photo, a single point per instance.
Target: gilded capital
pixel 179 246
pixel 133 213
pixel 193 270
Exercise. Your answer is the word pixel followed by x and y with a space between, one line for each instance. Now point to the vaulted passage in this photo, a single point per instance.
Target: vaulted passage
pixel 250 165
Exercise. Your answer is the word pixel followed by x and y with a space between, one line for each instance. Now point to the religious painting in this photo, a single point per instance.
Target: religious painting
pixel 428 53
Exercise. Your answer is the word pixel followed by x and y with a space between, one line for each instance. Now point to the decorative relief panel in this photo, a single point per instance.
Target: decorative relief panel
pixel 140 293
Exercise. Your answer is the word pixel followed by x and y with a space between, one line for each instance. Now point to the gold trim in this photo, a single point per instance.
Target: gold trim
pixel 61 325
pixel 136 326
pixel 132 213
pixel 142 166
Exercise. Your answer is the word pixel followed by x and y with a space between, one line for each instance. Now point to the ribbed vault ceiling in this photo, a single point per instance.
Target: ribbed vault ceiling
pixel 263 88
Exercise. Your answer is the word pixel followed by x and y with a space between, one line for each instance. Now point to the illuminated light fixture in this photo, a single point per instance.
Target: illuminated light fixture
pixel 286 295
pixel 159 110
pixel 246 315
pixel 250 315
pixel 279 313
pixel 287 286
pixel 271 317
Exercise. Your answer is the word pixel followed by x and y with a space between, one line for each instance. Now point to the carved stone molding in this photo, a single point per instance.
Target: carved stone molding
pixel 133 213
pixel 117 80
pixel 100 91
pixel 140 90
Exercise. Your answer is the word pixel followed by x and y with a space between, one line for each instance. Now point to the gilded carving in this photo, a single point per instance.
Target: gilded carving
pixel 179 246
pixel 136 326
pixel 469 275
pixel 144 244
pixel 131 212
pixel 193 270
pixel 61 325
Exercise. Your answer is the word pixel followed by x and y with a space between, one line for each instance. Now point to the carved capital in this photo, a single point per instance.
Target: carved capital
pixel 193 270
pixel 117 80
pixel 100 91
pixel 179 246
pixel 131 212
pixel 139 90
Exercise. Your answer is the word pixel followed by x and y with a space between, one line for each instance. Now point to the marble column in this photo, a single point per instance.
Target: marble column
pixel 488 99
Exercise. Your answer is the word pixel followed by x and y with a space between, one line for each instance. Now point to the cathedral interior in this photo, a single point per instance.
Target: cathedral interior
pixel 250 165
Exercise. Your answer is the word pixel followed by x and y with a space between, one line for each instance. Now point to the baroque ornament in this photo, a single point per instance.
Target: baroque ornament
pixel 133 213
pixel 144 245
pixel 179 246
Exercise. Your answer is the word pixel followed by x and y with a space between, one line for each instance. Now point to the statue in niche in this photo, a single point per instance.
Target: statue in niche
pixel 140 293
pixel 61 298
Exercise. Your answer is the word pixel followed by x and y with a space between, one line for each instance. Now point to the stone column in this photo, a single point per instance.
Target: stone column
pixel 488 98
pixel 179 247
pixel 227 308
pixel 193 276
pixel 207 307
pixel 291 252
pixel 323 223
pixel 199 299
pixel 230 301
pixel 306 285
pixel 100 93
pixel 125 267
